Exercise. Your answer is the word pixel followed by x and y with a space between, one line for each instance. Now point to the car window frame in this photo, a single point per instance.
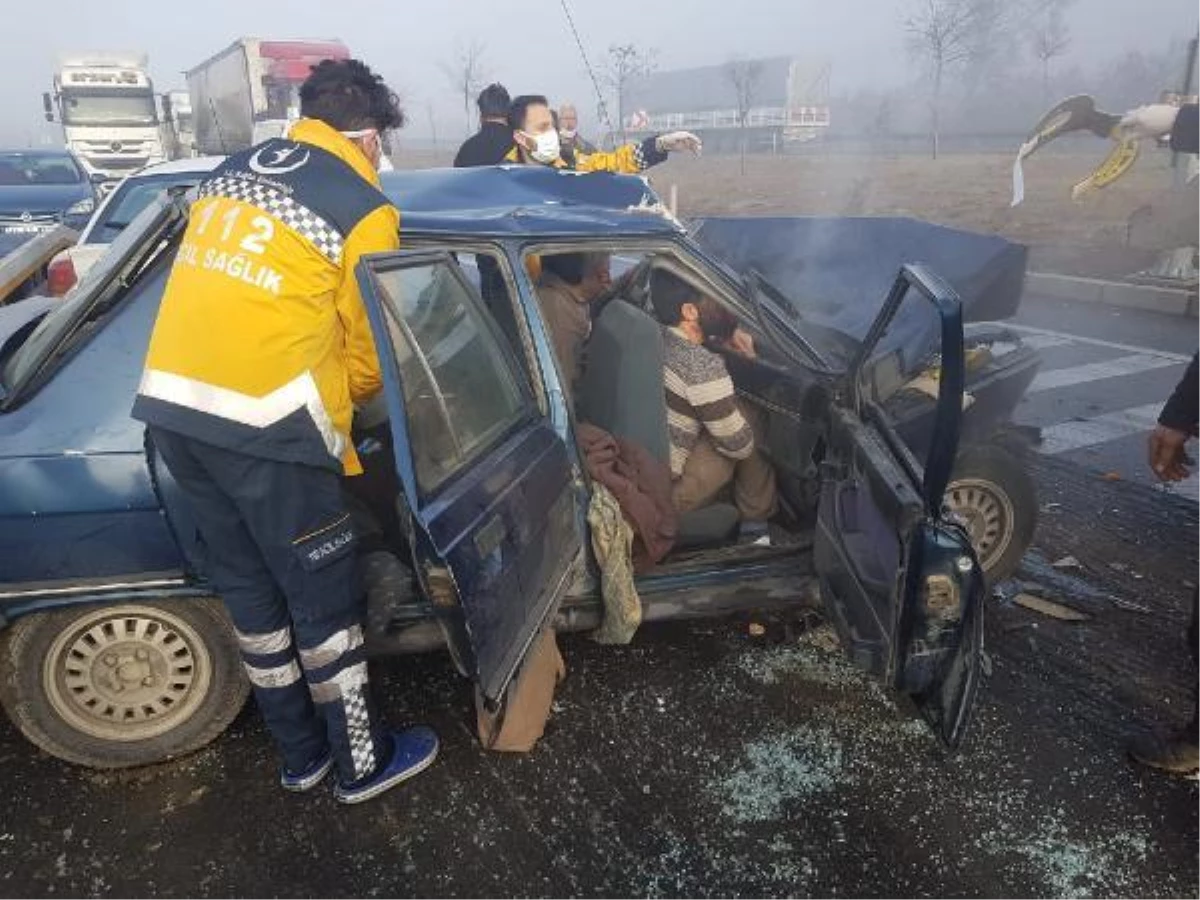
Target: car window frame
pixel 168 180
pixel 528 410
pixel 529 363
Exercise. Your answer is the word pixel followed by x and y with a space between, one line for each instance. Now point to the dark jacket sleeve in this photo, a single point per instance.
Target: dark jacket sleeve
pixel 463 157
pixel 1184 137
pixel 1181 411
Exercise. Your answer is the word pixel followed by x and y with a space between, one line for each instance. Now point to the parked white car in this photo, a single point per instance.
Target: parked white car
pixel 117 210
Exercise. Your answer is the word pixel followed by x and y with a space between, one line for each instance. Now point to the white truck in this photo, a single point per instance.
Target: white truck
pixel 108 112
pixel 251 90
pixel 788 103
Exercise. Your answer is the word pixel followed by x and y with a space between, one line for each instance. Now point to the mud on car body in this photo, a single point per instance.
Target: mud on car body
pixel 115 652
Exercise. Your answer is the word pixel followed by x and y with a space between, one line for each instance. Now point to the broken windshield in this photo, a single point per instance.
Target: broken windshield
pixel 99 291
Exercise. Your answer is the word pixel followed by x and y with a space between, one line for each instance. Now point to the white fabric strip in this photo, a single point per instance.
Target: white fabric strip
pixel 333 647
pixel 268 642
pixel 277 677
pixel 258 412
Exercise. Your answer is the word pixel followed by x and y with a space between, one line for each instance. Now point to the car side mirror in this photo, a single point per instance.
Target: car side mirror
pixel 943 444
pixel 48 106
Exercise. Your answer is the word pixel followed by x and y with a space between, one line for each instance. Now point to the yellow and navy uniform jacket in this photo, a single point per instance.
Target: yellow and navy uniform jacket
pixel 628 159
pixel 262 343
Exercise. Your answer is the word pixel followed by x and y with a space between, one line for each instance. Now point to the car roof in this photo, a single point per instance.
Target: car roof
pixel 181 166
pixel 526 201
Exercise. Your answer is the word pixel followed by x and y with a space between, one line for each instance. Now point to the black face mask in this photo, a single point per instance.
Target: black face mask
pixel 716 323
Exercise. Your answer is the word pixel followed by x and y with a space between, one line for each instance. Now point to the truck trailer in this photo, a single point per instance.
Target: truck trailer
pixel 251 90
pixel 789 104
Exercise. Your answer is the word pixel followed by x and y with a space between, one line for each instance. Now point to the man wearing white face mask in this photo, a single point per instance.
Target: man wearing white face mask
pixel 568 132
pixel 536 140
pixel 259 353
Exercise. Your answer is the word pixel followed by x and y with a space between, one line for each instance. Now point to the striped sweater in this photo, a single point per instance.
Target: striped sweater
pixel 700 398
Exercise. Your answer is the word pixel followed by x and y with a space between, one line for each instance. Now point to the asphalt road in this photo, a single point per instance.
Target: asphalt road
pixel 703 761
pixel 1105 374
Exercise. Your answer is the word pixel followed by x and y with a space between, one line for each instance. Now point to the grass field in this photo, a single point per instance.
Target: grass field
pixel 970 191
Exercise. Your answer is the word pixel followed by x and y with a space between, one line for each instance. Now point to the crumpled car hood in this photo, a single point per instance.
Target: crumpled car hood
pixel 837 271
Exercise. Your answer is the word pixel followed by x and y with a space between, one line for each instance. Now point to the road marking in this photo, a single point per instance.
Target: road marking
pixel 1100 429
pixel 1076 339
pixel 1044 341
pixel 1113 368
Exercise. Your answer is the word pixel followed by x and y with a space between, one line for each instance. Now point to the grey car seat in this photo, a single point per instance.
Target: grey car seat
pixel 621 391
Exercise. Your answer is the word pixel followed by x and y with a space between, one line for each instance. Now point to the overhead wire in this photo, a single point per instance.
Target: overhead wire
pixel 603 106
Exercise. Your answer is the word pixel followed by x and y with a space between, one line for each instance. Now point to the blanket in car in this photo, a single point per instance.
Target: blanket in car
pixel 642 486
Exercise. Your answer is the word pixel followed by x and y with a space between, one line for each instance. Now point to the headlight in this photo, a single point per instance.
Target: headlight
pixel 84 207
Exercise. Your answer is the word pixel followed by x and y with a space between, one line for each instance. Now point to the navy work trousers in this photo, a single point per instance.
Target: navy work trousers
pixel 281 555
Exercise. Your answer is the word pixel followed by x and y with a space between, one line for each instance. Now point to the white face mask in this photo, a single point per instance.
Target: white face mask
pixel 383 165
pixel 568 134
pixel 546 149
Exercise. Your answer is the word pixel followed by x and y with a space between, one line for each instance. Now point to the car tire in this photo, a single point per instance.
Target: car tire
pixel 994 496
pixel 130 684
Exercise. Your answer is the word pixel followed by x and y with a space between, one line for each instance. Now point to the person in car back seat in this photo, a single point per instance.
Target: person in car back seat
pixel 567 286
pixel 712 440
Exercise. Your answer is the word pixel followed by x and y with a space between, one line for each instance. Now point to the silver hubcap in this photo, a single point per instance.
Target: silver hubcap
pixel 127 674
pixel 987 514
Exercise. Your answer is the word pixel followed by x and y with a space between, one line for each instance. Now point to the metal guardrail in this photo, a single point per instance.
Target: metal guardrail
pixel 22 263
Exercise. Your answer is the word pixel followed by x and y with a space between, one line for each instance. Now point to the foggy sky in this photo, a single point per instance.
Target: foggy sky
pixel 528 45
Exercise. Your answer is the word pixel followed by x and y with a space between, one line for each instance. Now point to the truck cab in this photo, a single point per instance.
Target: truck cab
pixel 108 113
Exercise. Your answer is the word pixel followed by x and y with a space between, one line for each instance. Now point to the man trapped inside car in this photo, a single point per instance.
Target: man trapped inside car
pixel 711 433
pixel 260 350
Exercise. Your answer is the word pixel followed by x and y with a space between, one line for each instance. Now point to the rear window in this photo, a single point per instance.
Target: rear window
pixel 24 169
pixel 130 199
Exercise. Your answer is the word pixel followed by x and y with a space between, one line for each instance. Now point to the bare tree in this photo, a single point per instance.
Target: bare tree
pixel 465 72
pixel 744 75
pixel 1048 36
pixel 625 63
pixel 948 34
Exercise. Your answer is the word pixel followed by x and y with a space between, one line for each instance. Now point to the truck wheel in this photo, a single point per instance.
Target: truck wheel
pixel 994 496
pixel 116 686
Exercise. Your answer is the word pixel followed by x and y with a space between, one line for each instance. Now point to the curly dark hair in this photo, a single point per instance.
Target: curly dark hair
pixel 345 94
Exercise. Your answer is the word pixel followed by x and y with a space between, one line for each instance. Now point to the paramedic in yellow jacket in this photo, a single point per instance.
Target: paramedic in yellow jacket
pixel 535 140
pixel 260 351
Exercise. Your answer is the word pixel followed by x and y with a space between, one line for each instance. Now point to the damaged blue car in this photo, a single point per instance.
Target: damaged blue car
pixel 114 651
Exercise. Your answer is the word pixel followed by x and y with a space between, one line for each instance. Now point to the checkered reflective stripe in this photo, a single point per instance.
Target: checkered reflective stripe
pixel 283 208
pixel 639 157
pixel 358 729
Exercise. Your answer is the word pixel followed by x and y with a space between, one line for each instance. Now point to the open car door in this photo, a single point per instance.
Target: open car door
pixel 901 583
pixel 488 481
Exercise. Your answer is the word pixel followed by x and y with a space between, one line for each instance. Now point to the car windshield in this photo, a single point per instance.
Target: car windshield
pixel 131 198
pixel 23 169
pixel 123 108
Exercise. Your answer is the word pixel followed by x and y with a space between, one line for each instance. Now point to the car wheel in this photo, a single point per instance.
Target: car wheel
pixel 994 497
pixel 126 685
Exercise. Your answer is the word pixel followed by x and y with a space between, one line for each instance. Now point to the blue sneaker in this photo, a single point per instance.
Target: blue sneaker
pixel 310 777
pixel 413 751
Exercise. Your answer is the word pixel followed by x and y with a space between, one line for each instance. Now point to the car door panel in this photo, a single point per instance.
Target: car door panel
pixel 902 585
pixel 500 531
pixel 501 520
